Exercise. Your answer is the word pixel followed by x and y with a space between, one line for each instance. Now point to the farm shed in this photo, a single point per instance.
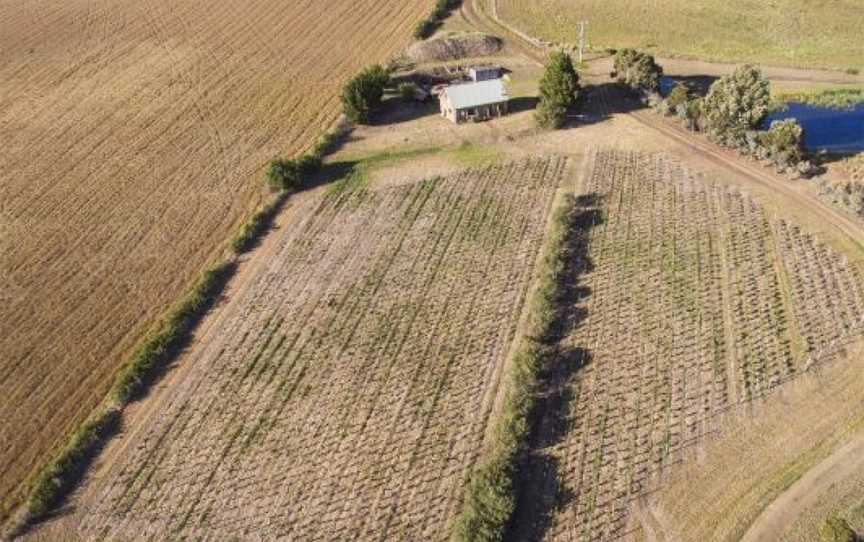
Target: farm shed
pixel 474 101
pixel 484 73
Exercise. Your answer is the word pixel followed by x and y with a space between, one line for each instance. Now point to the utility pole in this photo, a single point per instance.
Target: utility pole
pixel 582 26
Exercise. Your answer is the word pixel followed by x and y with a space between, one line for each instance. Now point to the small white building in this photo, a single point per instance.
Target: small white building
pixel 484 73
pixel 477 101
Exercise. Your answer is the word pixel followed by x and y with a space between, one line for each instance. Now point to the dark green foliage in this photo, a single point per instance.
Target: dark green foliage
pixel 425 28
pixel 735 104
pixel 283 174
pixel 550 116
pixel 490 496
pixel 61 476
pixel 836 529
pixel 679 95
pixel 559 91
pixel 362 94
pixel 252 229
pixel 638 71
pixel 152 356
pixel 308 164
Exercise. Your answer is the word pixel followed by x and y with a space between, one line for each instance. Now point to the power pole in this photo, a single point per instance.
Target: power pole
pixel 582 26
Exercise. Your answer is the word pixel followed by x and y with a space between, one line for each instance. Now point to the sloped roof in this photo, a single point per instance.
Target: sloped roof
pixel 477 94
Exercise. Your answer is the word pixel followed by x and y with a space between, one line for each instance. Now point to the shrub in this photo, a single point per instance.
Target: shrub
pixel 782 143
pixel 853 71
pixel 407 90
pixel 559 90
pixel 308 164
pixel 679 95
pixel 284 174
pixel 61 476
pixel 425 28
pixel 252 229
pixel 638 71
pixel 735 104
pixel 836 529
pixel 362 94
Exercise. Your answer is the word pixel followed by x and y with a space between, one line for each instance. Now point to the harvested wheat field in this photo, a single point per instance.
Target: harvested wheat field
pixel 345 392
pixel 134 135
pixel 689 299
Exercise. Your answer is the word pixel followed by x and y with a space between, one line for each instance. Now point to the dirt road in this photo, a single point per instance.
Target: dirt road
pixel 807 491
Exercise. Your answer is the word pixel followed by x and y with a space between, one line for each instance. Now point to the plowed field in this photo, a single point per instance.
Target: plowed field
pixel 345 392
pixel 132 138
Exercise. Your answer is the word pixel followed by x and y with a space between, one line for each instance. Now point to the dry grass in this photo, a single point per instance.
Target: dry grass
pixel 788 32
pixel 346 391
pixel 716 495
pixel 134 135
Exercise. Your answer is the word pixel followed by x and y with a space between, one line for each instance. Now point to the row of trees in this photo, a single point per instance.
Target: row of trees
pixel 427 26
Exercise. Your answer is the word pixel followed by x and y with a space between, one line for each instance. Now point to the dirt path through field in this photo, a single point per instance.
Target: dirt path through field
pixel 844 462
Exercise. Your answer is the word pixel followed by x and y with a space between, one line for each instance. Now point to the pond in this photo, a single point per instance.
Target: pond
pixel 837 130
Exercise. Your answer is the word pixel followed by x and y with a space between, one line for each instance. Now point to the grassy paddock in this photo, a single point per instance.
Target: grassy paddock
pixel 787 32
pixel 490 495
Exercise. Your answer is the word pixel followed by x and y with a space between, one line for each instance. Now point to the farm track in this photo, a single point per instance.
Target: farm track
pixel 134 136
pixel 681 292
pixel 347 386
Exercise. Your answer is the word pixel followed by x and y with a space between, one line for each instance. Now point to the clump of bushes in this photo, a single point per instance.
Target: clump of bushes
pixel 427 26
pixel 638 71
pixel 782 143
pixel 490 496
pixel 837 529
pixel 407 90
pixel 363 93
pixel 559 91
pixel 61 476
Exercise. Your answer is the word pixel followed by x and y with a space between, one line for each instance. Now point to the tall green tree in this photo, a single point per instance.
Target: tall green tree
pixel 559 91
pixel 362 94
pixel 735 104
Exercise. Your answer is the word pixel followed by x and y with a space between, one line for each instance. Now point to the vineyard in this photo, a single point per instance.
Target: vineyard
pixel 347 390
pixel 689 300
pixel 134 138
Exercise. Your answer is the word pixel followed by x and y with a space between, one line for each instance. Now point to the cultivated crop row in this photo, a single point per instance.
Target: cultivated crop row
pixel 345 394
pixel 691 299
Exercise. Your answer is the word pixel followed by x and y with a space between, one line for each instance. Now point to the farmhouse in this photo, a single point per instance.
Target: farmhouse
pixel 476 101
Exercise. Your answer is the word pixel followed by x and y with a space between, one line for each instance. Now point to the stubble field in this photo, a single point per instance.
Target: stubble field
pixel 347 390
pixel 133 139
pixel 690 299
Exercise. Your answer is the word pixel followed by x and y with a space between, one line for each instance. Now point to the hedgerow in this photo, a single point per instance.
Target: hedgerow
pixel 427 26
pixel 490 498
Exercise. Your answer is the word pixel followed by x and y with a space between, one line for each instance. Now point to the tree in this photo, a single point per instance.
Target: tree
pixel 735 104
pixel 363 93
pixel 680 94
pixel 637 70
pixel 407 90
pixel 559 91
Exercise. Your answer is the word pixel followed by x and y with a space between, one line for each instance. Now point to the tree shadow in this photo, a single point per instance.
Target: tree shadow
pixel 539 490
pixel 396 110
pixel 600 101
pixel 523 103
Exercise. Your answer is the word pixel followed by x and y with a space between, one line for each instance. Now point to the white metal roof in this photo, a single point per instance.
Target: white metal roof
pixel 477 94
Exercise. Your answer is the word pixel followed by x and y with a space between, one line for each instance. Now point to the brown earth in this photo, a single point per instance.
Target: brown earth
pixel 134 135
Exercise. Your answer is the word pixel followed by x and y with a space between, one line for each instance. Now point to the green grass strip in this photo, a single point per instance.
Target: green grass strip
pixel 490 498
